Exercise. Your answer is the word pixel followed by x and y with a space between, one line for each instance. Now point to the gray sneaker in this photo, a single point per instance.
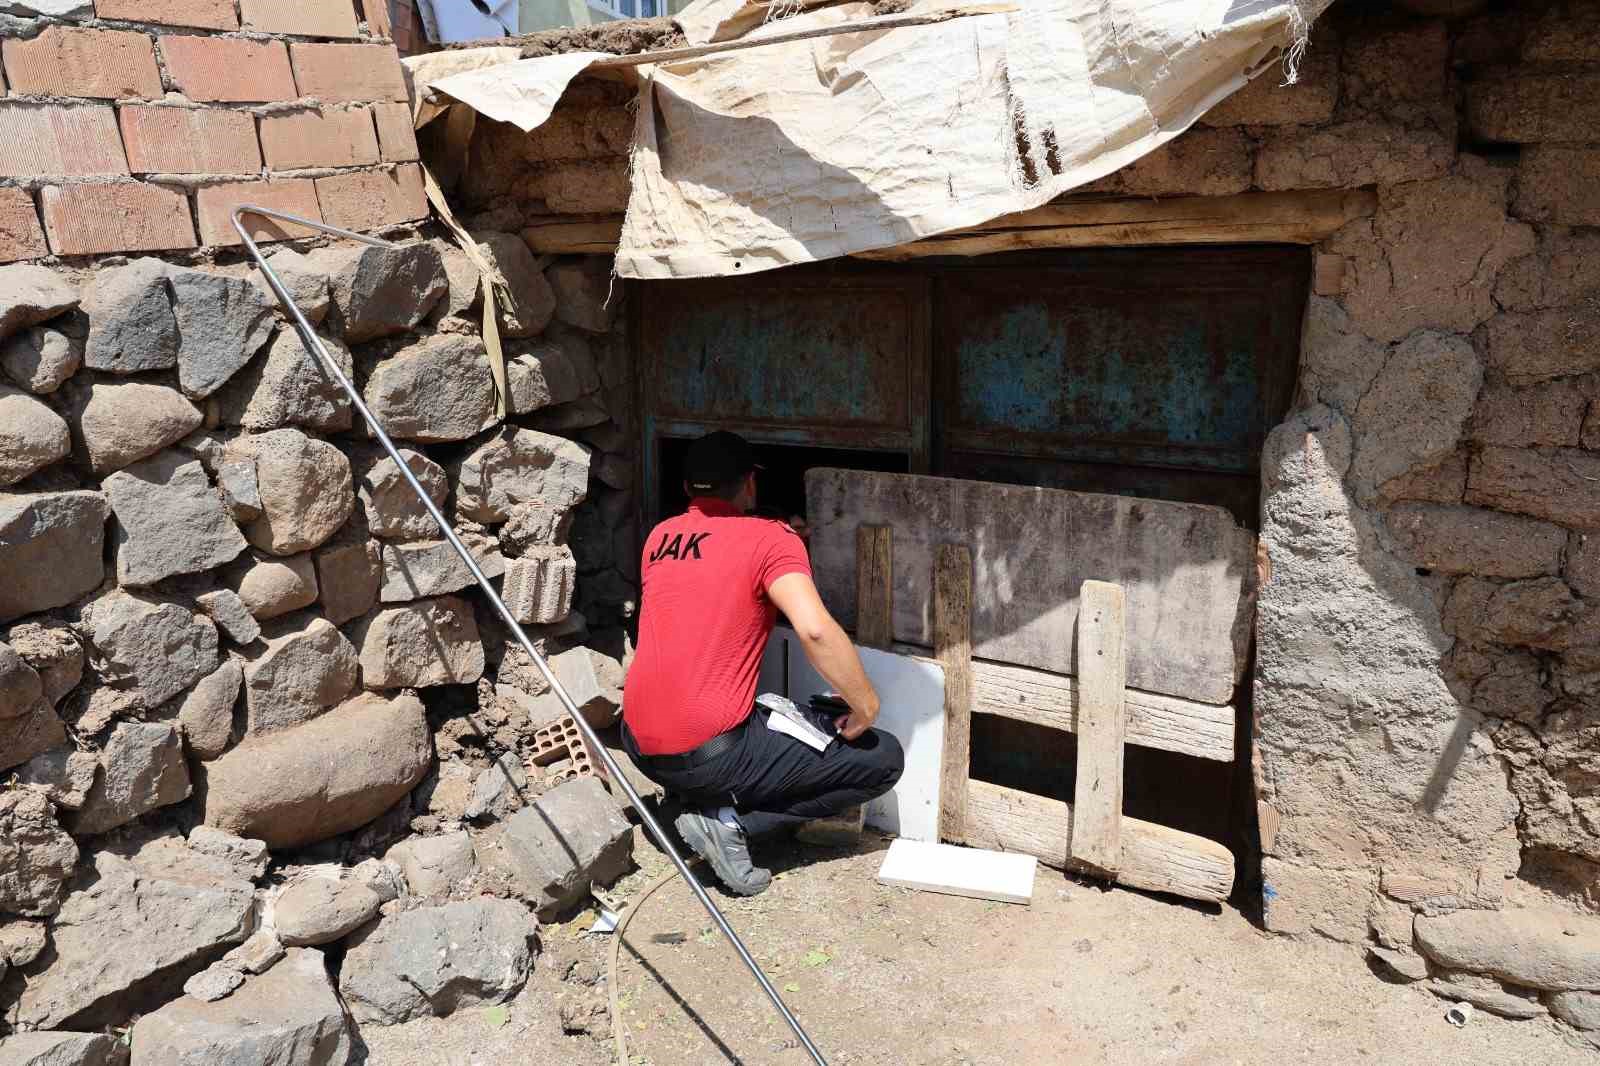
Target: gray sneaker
pixel 726 849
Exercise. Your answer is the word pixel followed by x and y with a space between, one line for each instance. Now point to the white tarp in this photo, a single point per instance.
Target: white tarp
pixel 814 149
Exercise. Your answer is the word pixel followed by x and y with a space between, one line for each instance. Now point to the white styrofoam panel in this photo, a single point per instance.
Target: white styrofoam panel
pixel 912 691
pixel 999 875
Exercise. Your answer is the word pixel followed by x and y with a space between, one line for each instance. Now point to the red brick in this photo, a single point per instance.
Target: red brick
pixel 296 196
pixel 310 18
pixel 228 69
pixel 348 73
pixel 190 140
pixel 48 140
pixel 319 139
pixel 21 236
pixel 376 12
pixel 72 61
pixel 127 216
pixel 373 199
pixel 396 135
pixel 206 14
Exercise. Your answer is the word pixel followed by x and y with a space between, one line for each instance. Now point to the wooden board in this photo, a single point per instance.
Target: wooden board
pixel 1097 809
pixel 912 690
pixel 1152 720
pixel 1187 570
pixel 955 871
pixel 952 644
pixel 1154 857
pixel 874 586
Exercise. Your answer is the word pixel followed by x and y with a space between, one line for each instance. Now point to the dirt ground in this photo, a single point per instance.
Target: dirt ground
pixel 882 975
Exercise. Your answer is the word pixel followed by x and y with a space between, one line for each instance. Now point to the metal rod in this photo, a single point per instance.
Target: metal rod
pixel 314 344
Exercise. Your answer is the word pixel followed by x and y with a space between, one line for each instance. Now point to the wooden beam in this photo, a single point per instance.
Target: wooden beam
pixel 1154 857
pixel 1266 217
pixel 1102 674
pixel 1167 723
pixel 874 586
pixel 952 629
pixel 561 235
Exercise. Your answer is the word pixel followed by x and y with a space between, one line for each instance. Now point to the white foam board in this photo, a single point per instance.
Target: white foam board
pixel 1005 876
pixel 912 691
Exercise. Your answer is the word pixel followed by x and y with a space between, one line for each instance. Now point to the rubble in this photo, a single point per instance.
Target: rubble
pixel 36 857
pixel 141 768
pixel 319 910
pixel 422 569
pixel 499 790
pixel 436 868
pixel 228 611
pixel 244 859
pixel 51 649
pixel 222 322
pixel 170 520
pixel 550 851
pixel 115 423
pixel 64 1049
pixel 64 777
pixel 32 436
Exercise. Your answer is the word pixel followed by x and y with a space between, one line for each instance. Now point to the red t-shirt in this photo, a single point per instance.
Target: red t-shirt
pixel 704 623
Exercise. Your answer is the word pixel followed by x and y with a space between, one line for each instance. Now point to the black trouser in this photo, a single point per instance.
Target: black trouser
pixel 772 780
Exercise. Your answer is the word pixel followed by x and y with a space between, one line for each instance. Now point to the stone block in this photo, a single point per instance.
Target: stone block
pixel 422 569
pixel 141 768
pixel 115 423
pixel 30 295
pixel 30 734
pixel 555 371
pixel 53 650
pixel 1487 994
pixel 1581 1010
pixel 1550 950
pixel 305 667
pixel 438 390
pixel 50 549
pixel 428 642
pixel 304 281
pixel 531 302
pixel 36 856
pixel 239 857
pixel 64 777
pixel 393 510
pixel 131 324
pixel 41 359
pixel 290 387
pixel 149 647
pixel 436 868
pixel 306 489
pixel 521 466
pixel 170 520
pixel 396 136
pixel 32 436
pixel 206 716
pixel 348 575
pixel 381 292
pixel 65 1049
pixel 227 610
pixel 1583 565
pixel 538 586
pixel 584 292
pixel 319 910
pixel 550 852
pixel 284 788
pixel 270 586
pixel 222 323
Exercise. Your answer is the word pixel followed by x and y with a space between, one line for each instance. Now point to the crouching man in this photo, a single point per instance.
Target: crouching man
pixel 714 579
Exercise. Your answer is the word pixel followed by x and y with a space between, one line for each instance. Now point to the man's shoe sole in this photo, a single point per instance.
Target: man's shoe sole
pixel 688 826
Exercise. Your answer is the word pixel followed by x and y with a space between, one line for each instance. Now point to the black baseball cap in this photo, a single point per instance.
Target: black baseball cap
pixel 717 460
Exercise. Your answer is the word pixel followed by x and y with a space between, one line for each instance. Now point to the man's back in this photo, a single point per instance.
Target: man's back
pixel 704 623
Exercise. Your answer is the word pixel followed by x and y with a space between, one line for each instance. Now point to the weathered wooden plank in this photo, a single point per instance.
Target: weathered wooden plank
pixel 952 628
pixel 874 586
pixel 595 235
pixel 1166 723
pixel 1187 570
pixel 1097 824
pixel 1154 857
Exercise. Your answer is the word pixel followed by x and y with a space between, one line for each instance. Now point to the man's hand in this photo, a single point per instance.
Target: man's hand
pixel 829 650
pixel 852 725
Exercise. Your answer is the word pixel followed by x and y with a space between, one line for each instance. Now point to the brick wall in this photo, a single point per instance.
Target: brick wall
pixel 138 125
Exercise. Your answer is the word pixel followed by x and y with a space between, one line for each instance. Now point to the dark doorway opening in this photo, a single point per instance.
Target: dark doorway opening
pixel 781 484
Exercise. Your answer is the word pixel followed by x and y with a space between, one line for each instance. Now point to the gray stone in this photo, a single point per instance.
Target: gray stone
pixel 67 9
pixel 500 789
pixel 170 520
pixel 141 768
pixel 518 466
pixel 1581 1010
pixel 1403 964
pixel 63 1049
pixel 131 325
pixel 534 525
pixel 30 295
pixel 227 610
pixel 217 981
pixel 258 954
pixel 436 960
pixel 436 868
pixel 1415 411
pixel 593 680
pixel 378 292
pixel 64 777
pixel 36 857
pixel 393 510
pixel 1550 950
pixel 241 494
pixel 52 650
pixel 555 371
pixel 571 836
pixel 22 941
pixel 305 667
pixel 583 293
pixel 429 642
pixel 1472 540
pixel 129 927
pixel 116 423
pixel 241 857
pixel 206 714
pixel 41 359
pixel 270 586
pixel 290 387
pixel 285 789
pixel 320 910
pixel 153 648
pixel 466 288
pixel 288 1016
pixel 380 876
pixel 348 575
pixel 570 418
pixel 32 436
pixel 1490 996
pixel 1582 571
pixel 306 489
pixel 28 735
pixel 21 688
pixel 538 586
pixel 306 284
pixel 432 568
pixel 437 390
pixel 532 302
pixel 222 323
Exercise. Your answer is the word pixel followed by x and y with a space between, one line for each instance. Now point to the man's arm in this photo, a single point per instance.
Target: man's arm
pixel 828 648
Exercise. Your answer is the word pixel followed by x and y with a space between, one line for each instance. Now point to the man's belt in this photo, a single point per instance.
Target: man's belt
pixel 720 744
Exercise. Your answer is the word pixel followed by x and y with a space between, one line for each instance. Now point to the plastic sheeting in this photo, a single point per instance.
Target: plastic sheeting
pixel 796 152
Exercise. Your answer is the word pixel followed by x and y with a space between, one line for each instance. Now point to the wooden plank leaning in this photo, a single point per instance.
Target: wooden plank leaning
pixel 952 629
pixel 1096 841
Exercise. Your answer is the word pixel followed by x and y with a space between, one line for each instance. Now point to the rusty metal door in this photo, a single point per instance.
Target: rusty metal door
pixel 1140 372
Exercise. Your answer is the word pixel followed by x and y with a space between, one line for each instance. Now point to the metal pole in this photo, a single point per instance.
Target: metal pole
pixel 314 344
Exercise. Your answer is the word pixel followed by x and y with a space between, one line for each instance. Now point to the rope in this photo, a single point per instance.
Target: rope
pixel 619 1037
